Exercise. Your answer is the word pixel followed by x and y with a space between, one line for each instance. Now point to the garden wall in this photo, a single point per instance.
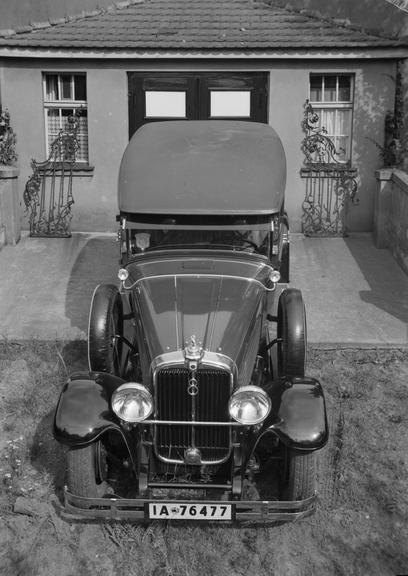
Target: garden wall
pixel 391 214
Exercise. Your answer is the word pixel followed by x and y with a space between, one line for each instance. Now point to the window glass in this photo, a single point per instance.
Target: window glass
pixel 343 121
pixel 51 87
pixel 230 103
pixel 165 104
pixel 80 87
pixel 53 123
pixel 328 120
pixel 344 88
pixel 252 241
pixel 66 87
pixel 316 83
pixel 330 88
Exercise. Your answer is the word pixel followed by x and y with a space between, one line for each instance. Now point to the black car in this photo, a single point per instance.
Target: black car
pixel 196 405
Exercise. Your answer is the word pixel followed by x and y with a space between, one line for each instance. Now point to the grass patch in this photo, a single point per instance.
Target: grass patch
pixel 361 526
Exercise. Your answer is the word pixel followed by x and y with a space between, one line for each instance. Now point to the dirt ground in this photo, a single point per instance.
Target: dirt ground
pixel 360 528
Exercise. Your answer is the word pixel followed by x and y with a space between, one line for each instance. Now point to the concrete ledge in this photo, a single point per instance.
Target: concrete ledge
pixel 8 172
pixel 391 213
pixel 10 218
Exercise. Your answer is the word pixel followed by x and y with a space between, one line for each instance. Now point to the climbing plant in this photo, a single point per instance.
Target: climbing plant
pixel 8 140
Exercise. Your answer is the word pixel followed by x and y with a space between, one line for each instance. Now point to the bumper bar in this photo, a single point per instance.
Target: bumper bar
pixel 116 509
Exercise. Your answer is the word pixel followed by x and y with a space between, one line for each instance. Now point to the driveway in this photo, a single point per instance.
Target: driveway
pixel 355 294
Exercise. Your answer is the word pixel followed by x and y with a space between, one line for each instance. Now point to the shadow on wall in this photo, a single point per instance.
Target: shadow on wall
pixel 388 283
pixel 379 15
pixel 374 96
pixel 97 263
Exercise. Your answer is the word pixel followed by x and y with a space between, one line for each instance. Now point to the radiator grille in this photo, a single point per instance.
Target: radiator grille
pixel 211 405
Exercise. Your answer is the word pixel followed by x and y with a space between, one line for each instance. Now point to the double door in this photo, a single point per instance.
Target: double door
pixel 158 96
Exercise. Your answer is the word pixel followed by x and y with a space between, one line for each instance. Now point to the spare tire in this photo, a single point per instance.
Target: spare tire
pixel 105 329
pixel 291 333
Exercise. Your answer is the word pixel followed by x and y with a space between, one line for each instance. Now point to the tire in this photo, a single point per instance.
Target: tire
pixel 301 475
pixel 87 470
pixel 105 322
pixel 291 332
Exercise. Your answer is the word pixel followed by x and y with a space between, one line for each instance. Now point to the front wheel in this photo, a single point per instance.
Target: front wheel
pixel 301 475
pixel 105 330
pixel 87 471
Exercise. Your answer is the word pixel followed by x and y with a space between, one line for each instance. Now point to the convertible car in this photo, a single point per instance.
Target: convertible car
pixel 196 405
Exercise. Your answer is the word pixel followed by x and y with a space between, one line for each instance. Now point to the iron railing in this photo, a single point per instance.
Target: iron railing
pixel 48 193
pixel 331 186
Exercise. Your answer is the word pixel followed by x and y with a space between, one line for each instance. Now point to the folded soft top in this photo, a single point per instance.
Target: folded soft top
pixel 203 167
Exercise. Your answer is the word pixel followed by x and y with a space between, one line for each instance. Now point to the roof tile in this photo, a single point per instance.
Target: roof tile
pixel 195 24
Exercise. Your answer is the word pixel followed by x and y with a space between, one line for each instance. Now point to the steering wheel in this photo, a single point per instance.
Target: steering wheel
pixel 249 242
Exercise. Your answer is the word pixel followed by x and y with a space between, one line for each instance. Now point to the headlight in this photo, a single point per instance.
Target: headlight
pixel 132 402
pixel 123 274
pixel 249 405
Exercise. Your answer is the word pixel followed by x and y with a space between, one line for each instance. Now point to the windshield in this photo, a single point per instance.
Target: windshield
pixel 227 239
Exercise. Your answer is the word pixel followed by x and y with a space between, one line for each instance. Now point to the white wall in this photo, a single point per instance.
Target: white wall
pixel 95 196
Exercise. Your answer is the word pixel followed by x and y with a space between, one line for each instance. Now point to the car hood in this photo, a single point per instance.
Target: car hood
pixel 218 302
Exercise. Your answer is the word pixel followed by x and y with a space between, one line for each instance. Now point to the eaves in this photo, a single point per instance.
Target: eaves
pixel 244 54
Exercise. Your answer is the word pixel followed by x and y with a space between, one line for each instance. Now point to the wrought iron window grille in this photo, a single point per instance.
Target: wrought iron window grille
pixel 48 192
pixel 331 185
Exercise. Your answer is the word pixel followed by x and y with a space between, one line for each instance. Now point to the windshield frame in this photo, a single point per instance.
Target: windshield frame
pixel 150 233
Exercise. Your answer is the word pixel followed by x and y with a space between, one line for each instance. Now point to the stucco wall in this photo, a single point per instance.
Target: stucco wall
pixel 95 196
pixel 391 214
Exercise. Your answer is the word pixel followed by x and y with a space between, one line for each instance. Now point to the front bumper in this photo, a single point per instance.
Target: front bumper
pixel 116 509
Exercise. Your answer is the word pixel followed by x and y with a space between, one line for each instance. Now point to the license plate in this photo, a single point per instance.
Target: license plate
pixel 184 511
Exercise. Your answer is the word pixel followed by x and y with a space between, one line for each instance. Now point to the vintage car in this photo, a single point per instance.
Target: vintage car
pixel 196 405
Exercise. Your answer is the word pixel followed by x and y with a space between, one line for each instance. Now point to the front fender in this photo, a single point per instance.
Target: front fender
pixel 300 419
pixel 83 411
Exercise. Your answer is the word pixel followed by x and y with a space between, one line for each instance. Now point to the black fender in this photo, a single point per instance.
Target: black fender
pixel 83 411
pixel 298 416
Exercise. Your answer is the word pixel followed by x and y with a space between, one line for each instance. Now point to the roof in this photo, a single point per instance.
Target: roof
pixel 202 167
pixel 195 25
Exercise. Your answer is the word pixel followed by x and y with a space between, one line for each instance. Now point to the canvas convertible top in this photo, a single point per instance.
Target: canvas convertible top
pixel 203 167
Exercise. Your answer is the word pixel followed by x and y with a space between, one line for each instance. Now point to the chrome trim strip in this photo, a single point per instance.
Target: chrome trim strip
pixel 209 359
pixel 203 462
pixel 195 275
pixel 195 423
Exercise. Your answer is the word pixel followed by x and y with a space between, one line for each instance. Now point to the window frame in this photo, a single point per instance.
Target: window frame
pixel 64 104
pixel 336 104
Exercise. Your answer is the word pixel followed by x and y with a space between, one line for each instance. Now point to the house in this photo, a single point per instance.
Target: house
pixel 147 60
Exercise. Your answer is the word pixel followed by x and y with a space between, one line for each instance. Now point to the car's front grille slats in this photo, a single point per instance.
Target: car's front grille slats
pixel 173 402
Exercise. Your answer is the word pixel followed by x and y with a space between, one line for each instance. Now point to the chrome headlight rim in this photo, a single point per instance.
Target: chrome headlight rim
pixel 252 393
pixel 140 394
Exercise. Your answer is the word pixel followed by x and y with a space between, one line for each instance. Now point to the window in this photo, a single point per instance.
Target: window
pixel 230 103
pixel 165 103
pixel 65 94
pixel 331 96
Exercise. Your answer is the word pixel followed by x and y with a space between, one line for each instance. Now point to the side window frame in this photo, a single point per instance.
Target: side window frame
pixel 323 107
pixel 64 94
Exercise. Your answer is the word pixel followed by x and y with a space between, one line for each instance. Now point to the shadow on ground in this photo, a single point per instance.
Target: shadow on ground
pixel 388 285
pixel 97 263
pixel 46 454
